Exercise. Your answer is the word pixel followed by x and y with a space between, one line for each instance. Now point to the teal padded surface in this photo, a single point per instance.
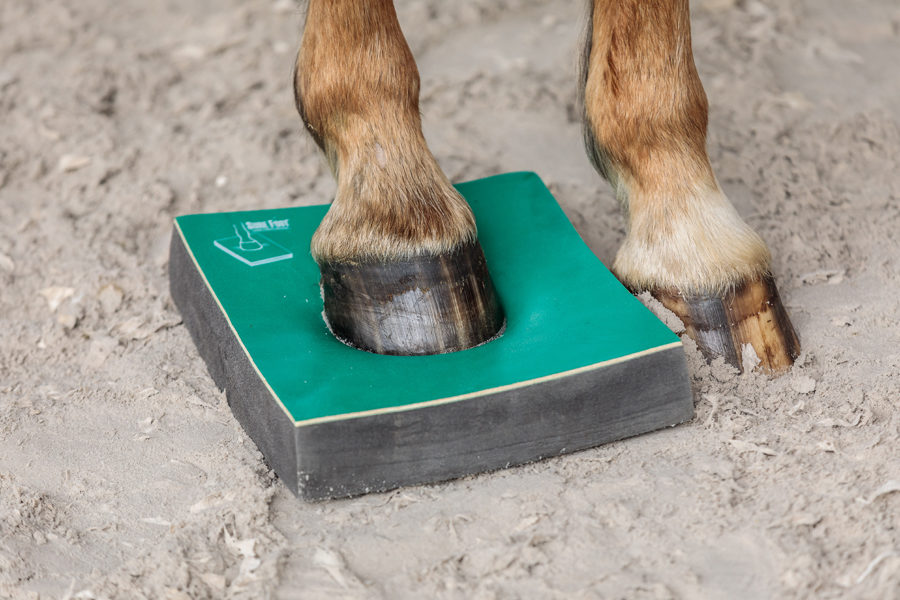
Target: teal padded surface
pixel 564 309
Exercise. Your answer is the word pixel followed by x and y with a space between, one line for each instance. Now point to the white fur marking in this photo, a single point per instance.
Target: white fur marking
pixel 379 155
pixel 702 246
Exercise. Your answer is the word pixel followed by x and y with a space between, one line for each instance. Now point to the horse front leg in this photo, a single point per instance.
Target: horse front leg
pixel 645 126
pixel 402 269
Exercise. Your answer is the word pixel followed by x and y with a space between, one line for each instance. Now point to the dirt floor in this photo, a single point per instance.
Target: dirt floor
pixel 122 471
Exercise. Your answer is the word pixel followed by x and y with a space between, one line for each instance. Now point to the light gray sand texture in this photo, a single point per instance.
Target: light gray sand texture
pixel 122 471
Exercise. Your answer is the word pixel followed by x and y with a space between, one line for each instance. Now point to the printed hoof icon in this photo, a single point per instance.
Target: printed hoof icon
pixel 245 241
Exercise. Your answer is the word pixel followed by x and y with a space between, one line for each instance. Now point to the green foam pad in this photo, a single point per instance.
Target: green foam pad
pixel 581 361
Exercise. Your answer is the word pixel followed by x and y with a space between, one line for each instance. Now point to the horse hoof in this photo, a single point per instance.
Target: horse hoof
pixel 724 325
pixel 414 306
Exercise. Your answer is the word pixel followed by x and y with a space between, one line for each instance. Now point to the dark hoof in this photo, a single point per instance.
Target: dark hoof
pixel 751 313
pixel 422 305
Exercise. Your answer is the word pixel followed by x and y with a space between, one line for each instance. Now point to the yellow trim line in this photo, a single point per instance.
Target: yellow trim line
pixel 417 405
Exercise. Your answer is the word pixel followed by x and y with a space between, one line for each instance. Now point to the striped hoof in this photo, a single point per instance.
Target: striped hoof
pixel 421 305
pixel 750 313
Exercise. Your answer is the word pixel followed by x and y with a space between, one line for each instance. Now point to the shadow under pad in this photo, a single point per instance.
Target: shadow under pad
pixel 581 362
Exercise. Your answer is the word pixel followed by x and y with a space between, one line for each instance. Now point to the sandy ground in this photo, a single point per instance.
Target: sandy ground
pixel 122 472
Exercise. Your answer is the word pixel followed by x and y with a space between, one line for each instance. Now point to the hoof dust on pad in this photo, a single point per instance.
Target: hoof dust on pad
pixel 582 362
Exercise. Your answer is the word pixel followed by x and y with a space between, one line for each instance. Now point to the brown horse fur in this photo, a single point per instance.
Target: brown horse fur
pixel 357 89
pixel 646 117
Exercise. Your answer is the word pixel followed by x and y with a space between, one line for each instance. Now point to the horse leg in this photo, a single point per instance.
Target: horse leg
pixel 645 131
pixel 402 269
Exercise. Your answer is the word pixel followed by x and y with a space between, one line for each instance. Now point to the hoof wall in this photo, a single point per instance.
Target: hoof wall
pixel 750 313
pixel 421 305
